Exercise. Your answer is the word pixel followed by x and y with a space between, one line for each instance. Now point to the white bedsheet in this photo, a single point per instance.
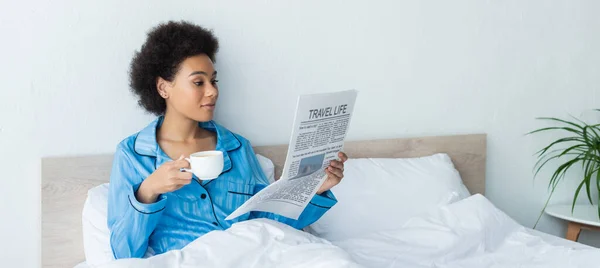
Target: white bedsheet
pixel 470 233
pixel 557 241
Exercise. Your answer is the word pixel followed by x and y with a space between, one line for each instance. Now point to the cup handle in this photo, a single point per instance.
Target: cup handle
pixel 187 169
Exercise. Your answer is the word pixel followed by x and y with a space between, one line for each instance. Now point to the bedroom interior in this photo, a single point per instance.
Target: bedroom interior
pixel 463 78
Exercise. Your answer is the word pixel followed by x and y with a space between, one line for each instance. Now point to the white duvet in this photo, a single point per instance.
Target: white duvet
pixel 254 243
pixel 471 233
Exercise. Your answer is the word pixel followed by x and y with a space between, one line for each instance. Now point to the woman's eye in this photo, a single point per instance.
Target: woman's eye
pixel 214 82
pixel 201 83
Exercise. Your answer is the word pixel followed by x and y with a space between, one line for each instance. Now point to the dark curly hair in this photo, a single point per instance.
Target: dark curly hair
pixel 166 46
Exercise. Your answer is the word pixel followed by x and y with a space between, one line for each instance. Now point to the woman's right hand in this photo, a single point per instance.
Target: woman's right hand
pixel 166 178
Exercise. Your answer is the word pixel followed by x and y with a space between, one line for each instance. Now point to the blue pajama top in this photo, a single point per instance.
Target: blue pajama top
pixel 179 217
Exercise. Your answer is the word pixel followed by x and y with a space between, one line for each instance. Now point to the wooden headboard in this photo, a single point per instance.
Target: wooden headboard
pixel 66 180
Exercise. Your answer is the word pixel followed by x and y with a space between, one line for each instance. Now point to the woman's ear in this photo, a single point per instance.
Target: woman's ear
pixel 162 87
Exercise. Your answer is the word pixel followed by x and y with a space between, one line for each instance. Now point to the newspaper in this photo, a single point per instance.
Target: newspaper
pixel 318 134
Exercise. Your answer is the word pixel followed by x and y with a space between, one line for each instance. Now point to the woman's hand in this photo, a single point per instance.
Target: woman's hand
pixel 335 173
pixel 166 178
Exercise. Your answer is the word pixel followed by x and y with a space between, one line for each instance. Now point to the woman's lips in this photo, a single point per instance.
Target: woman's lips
pixel 210 106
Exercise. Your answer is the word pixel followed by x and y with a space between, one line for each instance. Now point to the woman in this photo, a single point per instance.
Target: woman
pixel 152 203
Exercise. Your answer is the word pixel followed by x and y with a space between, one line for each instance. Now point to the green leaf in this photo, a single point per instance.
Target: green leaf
pixel 539 168
pixel 598 186
pixel 587 179
pixel 598 177
pixel 562 121
pixel 596 138
pixel 577 194
pixel 544 157
pixel 598 206
pixel 579 120
pixel 555 128
pixel 587 137
pixel 546 205
pixel 593 128
pixel 558 179
pixel 544 160
pixel 592 155
pixel 573 148
pixel 568 139
pixel 559 174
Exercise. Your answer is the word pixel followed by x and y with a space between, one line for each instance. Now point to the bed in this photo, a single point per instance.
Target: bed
pixel 66 180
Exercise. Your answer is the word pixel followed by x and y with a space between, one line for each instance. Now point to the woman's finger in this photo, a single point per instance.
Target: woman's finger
pixel 336 172
pixel 183 181
pixel 329 174
pixel 181 163
pixel 184 176
pixel 343 157
pixel 336 164
pixel 332 178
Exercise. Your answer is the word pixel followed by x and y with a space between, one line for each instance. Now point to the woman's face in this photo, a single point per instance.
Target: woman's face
pixel 194 91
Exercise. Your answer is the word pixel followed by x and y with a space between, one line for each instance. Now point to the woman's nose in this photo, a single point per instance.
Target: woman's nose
pixel 212 91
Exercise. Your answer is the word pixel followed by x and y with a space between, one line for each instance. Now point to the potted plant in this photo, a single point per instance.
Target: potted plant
pixel 580 149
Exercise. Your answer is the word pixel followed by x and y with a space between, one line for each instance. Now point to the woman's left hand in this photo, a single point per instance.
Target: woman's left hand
pixel 335 173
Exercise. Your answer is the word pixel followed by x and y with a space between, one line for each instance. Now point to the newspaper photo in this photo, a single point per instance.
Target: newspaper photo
pixel 318 134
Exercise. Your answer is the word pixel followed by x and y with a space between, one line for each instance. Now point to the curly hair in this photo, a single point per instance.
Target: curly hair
pixel 166 46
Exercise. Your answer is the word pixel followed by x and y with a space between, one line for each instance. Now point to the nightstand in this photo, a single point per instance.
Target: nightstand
pixel 583 217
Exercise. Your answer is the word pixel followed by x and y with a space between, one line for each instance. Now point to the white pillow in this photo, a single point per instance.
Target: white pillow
pixel 96 235
pixel 382 194
pixel 267 166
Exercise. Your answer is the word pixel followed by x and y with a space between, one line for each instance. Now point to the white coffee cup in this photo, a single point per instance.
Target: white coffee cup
pixel 206 165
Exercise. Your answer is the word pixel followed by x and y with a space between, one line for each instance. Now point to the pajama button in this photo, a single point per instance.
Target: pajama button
pixel 203 196
pixel 216 224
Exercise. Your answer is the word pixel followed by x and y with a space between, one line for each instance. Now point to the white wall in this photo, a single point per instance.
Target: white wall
pixel 441 67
